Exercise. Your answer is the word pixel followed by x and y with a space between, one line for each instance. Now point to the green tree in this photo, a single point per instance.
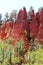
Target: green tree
pixel 0 16
pixel 6 16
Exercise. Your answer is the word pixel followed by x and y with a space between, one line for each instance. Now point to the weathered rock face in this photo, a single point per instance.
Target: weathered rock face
pixel 38 18
pixel 21 28
pixel 22 14
pixel 40 32
pixel 33 25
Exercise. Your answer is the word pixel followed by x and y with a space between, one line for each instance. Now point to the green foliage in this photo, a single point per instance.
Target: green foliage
pixel 8 55
pixel 34 57
pixel 15 60
pixel 19 46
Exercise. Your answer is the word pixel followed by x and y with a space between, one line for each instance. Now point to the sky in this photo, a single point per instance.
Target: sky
pixel 9 5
